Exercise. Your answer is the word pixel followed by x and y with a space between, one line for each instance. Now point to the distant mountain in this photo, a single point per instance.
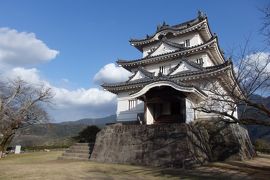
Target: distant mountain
pixel 57 134
pixel 93 121
pixel 255 131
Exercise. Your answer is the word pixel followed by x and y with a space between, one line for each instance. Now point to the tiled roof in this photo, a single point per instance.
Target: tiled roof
pixel 168 42
pixel 145 72
pixel 191 63
pixel 182 76
pixel 140 83
pixel 177 29
pixel 206 71
pixel 162 57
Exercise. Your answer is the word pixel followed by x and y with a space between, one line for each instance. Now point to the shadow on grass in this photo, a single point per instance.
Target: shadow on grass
pixel 258 168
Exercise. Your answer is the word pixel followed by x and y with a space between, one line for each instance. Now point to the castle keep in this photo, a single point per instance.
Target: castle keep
pixel 172 77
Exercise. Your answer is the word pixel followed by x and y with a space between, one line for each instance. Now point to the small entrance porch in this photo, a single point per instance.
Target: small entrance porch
pixel 168 102
pixel 164 104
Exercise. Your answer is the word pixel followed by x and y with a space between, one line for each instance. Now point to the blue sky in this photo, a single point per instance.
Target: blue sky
pixel 91 34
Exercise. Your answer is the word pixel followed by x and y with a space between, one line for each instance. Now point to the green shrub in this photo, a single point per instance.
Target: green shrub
pixel 87 135
pixel 39 148
pixel 262 146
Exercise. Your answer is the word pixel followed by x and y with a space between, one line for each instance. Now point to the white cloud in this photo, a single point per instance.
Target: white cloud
pixel 259 59
pixel 111 73
pixel 82 97
pixel 82 103
pixel 18 50
pixel 254 62
pixel 70 104
pixel 28 75
pixel 23 48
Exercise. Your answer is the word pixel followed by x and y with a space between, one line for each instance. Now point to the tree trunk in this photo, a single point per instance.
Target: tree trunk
pixel 5 141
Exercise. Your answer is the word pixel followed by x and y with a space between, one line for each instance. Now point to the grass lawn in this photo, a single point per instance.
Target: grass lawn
pixel 44 165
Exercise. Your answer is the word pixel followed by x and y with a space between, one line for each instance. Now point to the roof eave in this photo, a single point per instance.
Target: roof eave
pixel 128 64
pixel 135 42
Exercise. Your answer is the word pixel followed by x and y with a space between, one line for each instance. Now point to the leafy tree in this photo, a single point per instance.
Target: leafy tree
pixel 87 135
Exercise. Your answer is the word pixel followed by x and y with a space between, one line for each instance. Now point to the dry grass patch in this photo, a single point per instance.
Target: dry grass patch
pixel 45 165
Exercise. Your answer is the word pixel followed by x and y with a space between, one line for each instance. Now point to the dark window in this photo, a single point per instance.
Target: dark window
pixel 187 42
pixel 199 61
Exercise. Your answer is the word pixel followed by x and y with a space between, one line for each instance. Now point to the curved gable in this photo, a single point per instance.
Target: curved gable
pixel 184 66
pixel 163 48
pixel 137 75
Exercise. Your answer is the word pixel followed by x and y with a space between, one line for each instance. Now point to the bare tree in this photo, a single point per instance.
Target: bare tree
pixel 252 77
pixel 21 105
pixel 266 22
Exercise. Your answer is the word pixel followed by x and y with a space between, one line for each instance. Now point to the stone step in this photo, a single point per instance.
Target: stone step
pixel 81 155
pixel 73 158
pixel 77 151
pixel 86 148
pixel 81 144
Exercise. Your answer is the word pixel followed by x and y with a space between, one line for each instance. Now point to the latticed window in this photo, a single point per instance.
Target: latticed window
pixel 132 104
pixel 199 61
pixel 162 69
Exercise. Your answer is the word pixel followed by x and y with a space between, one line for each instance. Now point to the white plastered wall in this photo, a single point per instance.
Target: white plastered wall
pixel 195 39
pixel 155 67
pixel 149 116
pixel 206 59
pixel 163 48
pixel 184 67
pixel 147 49
pixel 219 106
pixel 123 112
pixel 171 64
pixel 190 114
pixel 138 75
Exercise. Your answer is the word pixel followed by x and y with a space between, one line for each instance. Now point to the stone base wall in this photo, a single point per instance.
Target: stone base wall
pixel 227 141
pixel 172 145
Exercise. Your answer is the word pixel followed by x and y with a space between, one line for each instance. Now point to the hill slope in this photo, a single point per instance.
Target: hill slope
pixel 258 132
pixel 61 133
pixel 92 121
pixel 57 134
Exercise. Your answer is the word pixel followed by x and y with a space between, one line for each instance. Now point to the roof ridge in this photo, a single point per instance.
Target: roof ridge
pixel 205 70
pixel 144 71
pixel 210 69
pixel 186 61
pixel 164 54
pixel 145 81
pixel 181 26
pixel 148 55
pixel 166 41
pixel 173 44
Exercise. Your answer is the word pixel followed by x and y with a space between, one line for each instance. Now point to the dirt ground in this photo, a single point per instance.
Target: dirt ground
pixel 45 165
